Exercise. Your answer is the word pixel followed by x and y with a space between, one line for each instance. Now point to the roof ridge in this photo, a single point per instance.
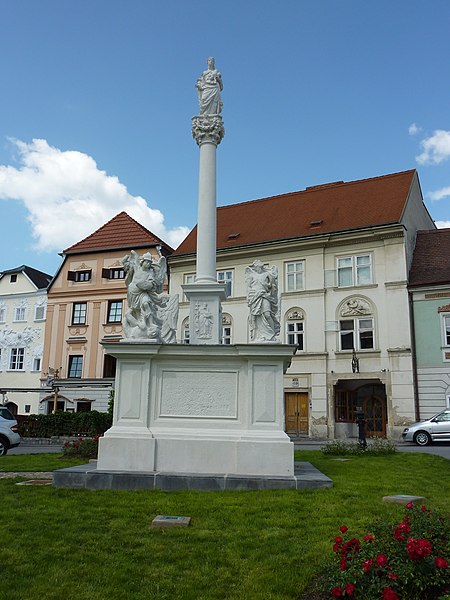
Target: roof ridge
pixel 318 188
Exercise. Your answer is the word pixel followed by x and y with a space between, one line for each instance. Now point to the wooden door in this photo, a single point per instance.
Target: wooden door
pixel 296 411
pixel 374 409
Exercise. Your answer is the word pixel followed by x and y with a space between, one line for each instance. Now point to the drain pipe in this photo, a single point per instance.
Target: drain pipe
pixel 414 356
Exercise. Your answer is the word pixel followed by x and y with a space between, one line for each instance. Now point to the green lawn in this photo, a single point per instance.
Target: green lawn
pixel 79 545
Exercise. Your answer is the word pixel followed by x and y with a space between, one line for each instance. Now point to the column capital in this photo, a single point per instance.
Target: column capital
pixel 207 129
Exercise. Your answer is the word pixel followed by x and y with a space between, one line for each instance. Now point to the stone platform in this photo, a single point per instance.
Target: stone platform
pixel 306 476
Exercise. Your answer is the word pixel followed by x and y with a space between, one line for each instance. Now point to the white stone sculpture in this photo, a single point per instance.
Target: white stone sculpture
pixel 204 321
pixel 209 85
pixel 262 299
pixel 355 306
pixel 152 315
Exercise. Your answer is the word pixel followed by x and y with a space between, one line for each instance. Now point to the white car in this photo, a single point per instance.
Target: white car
pixel 9 438
pixel 436 429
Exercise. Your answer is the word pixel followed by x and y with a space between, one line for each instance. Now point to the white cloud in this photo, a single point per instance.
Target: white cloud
pixel 68 197
pixel 439 194
pixel 435 148
pixel 442 224
pixel 413 129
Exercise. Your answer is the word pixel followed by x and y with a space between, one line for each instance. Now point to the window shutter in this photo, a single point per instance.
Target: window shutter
pixel 71 276
pixel 106 273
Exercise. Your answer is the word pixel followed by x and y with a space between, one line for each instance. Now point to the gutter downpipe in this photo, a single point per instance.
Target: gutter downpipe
pixel 414 357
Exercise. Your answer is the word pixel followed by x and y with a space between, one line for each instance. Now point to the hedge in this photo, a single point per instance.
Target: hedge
pixel 64 424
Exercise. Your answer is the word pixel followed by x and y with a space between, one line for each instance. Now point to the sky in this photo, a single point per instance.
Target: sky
pixel 98 95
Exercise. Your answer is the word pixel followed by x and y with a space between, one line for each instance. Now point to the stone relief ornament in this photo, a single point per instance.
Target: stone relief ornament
pixel 295 315
pixel 209 85
pixel 204 321
pixel 208 129
pixel 151 315
pixel 355 307
pixel 262 299
pixel 10 338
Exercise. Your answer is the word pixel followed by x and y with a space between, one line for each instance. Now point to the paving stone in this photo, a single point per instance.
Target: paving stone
pixel 36 482
pixel 162 521
pixel 403 499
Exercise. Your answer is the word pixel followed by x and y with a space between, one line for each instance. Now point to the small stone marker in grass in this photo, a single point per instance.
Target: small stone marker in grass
pixel 403 499
pixel 164 521
pixel 36 482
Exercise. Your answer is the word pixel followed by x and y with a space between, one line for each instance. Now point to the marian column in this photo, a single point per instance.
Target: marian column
pixel 205 294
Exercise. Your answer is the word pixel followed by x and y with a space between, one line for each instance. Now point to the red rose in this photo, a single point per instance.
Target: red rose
pixel 381 560
pixel 418 548
pixel 343 565
pixel 338 540
pixel 389 594
pixel 440 562
pixel 424 508
pixel 409 505
pixel 369 538
pixel 392 576
pixel 367 564
pixel 349 589
pixel 337 592
pixel 343 528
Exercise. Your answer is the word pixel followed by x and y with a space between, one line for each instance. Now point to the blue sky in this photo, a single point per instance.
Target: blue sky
pixel 97 99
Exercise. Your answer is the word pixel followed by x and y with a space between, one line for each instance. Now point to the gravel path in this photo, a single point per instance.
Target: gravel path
pixel 28 475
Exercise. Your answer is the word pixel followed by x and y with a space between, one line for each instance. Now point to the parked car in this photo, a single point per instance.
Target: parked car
pixel 436 429
pixel 9 438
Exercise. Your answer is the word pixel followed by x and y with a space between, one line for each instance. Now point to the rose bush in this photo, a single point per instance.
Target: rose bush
pixel 81 447
pixel 405 561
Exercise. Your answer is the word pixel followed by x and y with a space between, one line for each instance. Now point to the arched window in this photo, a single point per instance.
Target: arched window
pixel 356 325
pixel 295 328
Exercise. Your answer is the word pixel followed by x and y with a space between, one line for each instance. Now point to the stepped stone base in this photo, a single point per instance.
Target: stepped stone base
pixel 88 476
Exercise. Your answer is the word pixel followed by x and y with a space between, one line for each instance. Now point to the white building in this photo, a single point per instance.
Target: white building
pixel 23 306
pixel 343 253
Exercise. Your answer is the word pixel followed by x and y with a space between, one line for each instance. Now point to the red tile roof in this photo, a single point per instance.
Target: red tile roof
pixel 431 260
pixel 319 209
pixel 120 232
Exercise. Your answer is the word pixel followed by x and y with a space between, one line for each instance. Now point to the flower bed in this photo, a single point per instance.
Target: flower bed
pixel 406 561
pixel 81 447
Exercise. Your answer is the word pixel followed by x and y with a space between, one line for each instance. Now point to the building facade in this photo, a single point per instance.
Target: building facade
pixel 86 301
pixel 429 286
pixel 343 253
pixel 23 308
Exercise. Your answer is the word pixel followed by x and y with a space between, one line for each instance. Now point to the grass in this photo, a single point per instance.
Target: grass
pixel 80 544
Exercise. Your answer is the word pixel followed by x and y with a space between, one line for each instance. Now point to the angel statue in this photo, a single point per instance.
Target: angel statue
pixel 262 299
pixel 151 313
pixel 209 85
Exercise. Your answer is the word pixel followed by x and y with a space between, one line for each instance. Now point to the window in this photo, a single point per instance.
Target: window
pixel 75 366
pixel 13 278
pixel 27 408
pixel 2 314
pixel 79 275
pixel 226 277
pixel 36 364
pixel 226 330
pixel 356 334
pixel 113 273
pixel 294 276
pixel 20 313
pixel 16 359
pixel 187 279
pixel 39 313
pixel 185 332
pixel 446 323
pixel 115 311
pixel 83 406
pixel 109 366
pixel 345 406
pixel 79 313
pixel 294 333
pixel 354 270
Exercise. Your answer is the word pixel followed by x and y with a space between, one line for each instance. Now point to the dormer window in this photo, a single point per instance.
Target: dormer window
pixel 79 275
pixel 113 273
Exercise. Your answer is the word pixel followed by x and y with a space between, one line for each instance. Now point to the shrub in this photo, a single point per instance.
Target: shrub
pixel 376 447
pixel 65 423
pixel 81 448
pixel 406 561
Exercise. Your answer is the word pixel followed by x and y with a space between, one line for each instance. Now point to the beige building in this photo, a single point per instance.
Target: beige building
pixel 343 253
pixel 23 306
pixel 86 301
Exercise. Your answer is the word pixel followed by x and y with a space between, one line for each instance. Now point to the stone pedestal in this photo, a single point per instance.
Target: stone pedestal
pixel 180 410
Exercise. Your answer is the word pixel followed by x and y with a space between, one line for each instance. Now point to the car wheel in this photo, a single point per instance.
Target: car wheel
pixel 422 438
pixel 3 447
